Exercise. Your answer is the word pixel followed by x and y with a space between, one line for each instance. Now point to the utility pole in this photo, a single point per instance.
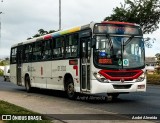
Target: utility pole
pixel 59 14
pixel 0 26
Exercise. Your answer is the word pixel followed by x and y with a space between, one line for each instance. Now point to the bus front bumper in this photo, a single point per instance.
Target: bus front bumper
pixel 117 87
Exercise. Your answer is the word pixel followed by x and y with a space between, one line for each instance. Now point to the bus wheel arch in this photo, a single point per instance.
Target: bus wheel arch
pixel 27 83
pixel 69 86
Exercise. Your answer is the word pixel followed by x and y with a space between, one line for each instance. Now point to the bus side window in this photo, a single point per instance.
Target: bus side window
pixel 37 51
pixel 71 45
pixel 68 49
pixel 74 47
pixel 13 55
pixel 58 51
pixel 46 50
pixel 27 53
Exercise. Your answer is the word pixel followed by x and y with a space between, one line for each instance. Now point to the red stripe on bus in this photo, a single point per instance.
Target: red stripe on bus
pixel 76 68
pixel 41 71
pixel 117 22
pixel 47 37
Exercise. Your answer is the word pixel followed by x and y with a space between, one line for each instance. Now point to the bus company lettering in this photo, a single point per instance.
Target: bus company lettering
pixel 31 69
pixel 61 68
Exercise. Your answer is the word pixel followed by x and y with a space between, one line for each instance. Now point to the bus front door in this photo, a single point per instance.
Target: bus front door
pixel 85 63
pixel 19 65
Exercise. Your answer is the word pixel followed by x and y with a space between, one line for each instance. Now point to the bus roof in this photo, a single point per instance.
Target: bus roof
pixel 55 34
pixel 118 22
pixel 68 31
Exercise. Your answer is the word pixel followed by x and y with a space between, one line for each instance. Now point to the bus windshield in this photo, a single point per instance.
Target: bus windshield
pixel 119 52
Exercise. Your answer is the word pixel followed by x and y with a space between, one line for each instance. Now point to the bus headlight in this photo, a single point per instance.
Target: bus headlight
pixel 99 77
pixel 141 77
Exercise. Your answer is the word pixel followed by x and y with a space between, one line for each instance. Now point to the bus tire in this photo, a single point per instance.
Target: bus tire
pixel 28 84
pixel 5 79
pixel 114 95
pixel 70 89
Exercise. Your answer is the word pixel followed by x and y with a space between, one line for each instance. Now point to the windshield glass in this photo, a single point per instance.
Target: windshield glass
pixel 119 52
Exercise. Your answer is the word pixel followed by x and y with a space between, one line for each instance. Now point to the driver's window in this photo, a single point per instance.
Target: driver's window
pixel 135 49
pixel 102 44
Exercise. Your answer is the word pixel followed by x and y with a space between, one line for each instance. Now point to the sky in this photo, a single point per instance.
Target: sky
pixel 22 19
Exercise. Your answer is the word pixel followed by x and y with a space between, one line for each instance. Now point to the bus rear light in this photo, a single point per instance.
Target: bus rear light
pixel 141 86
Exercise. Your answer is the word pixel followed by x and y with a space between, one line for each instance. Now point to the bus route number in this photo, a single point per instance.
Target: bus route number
pixel 61 68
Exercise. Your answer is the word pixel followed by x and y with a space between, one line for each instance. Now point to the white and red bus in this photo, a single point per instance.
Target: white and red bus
pixel 106 57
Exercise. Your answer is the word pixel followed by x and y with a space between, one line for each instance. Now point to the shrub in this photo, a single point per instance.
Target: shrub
pixel 158 70
pixel 1 73
pixel 153 78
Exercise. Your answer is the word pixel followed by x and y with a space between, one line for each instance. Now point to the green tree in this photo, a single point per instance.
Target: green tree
pixel 4 62
pixel 158 62
pixel 36 35
pixel 52 31
pixel 158 58
pixel 42 32
pixel 146 13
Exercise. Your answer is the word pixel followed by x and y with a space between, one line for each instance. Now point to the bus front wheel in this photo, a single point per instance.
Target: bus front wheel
pixel 113 95
pixel 27 84
pixel 70 89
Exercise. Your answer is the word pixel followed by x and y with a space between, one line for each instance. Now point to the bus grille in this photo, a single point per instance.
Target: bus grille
pixel 122 86
pixel 121 74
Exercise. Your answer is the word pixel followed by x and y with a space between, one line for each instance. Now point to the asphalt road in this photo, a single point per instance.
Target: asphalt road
pixel 134 103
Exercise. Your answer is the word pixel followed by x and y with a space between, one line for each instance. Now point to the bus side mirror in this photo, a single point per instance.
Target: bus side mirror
pixel 93 42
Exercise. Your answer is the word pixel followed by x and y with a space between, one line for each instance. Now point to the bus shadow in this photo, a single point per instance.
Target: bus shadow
pixel 47 92
pixel 93 99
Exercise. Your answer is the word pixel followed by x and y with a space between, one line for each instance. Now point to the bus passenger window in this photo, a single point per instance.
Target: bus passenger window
pixel 37 51
pixel 46 50
pixel 71 45
pixel 58 50
pixel 27 53
pixel 13 55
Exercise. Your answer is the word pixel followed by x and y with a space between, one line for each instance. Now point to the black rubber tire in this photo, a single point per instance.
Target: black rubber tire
pixel 27 84
pixel 70 89
pixel 114 95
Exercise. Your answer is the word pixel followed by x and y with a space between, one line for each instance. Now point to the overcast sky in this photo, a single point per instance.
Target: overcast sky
pixel 23 18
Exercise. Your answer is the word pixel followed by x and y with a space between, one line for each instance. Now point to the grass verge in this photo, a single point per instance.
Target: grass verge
pixel 11 109
pixel 153 79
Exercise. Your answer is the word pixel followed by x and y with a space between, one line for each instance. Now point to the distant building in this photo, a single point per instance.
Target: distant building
pixel 151 64
pixel 151 61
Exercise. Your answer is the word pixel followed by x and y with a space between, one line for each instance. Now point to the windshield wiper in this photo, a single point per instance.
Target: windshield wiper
pixel 129 40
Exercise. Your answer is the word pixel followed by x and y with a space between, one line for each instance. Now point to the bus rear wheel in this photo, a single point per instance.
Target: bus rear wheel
pixel 27 84
pixel 70 89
